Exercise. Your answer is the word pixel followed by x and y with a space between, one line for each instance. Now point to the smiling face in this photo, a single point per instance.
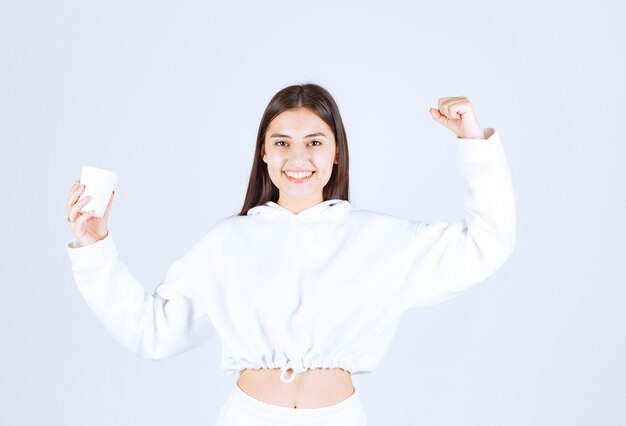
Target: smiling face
pixel 300 151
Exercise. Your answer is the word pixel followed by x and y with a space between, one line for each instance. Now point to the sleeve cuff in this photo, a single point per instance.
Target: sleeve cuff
pixel 93 255
pixel 480 151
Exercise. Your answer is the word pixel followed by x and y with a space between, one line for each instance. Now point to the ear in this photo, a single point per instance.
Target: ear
pixel 337 158
pixel 263 155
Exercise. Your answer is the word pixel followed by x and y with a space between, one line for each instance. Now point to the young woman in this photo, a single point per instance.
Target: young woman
pixel 302 289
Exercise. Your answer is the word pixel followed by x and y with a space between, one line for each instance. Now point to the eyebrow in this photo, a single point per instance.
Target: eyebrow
pixel 278 135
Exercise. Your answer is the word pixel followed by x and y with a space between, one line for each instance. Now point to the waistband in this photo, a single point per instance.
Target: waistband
pixel 348 408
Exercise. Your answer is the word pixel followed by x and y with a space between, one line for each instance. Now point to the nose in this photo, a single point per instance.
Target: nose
pixel 299 157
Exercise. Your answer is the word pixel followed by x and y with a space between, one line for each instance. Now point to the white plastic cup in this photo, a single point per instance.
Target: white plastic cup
pixel 99 183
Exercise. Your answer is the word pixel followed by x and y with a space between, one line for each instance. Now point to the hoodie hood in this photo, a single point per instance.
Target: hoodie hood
pixel 324 210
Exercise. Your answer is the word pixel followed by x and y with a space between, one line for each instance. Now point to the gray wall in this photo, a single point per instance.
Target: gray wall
pixel 170 95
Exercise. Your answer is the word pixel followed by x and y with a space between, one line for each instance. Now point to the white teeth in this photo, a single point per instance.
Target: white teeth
pixel 299 175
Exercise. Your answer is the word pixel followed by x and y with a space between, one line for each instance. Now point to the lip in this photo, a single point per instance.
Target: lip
pixel 303 180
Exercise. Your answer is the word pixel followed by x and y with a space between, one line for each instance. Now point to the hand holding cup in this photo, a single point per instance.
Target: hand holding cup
pixel 91 191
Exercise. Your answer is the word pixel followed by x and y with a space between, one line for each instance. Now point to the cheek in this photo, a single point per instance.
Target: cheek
pixel 275 165
pixel 326 160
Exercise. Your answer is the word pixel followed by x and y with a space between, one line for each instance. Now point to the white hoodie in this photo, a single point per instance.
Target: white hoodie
pixel 324 288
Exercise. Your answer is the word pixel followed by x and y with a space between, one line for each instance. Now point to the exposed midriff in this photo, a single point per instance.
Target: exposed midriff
pixel 313 388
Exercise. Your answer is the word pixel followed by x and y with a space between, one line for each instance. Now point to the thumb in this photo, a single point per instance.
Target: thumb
pixel 436 115
pixel 108 209
pixel 445 121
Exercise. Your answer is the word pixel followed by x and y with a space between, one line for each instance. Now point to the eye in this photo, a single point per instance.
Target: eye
pixel 280 142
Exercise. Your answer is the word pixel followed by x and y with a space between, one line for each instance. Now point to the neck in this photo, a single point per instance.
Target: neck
pixel 297 205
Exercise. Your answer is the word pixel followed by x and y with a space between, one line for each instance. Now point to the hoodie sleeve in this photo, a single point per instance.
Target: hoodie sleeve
pixel 154 326
pixel 444 259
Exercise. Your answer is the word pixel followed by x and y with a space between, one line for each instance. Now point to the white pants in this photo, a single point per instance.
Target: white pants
pixel 242 409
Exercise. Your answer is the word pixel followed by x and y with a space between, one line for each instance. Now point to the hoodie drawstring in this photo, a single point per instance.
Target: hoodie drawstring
pixel 295 370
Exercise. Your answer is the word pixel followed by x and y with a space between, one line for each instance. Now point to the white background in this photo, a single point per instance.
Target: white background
pixel 169 95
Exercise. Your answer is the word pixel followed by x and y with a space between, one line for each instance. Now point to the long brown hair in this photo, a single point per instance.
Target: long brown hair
pixel 261 189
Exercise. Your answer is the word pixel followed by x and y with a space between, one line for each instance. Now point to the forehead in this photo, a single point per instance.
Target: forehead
pixel 297 121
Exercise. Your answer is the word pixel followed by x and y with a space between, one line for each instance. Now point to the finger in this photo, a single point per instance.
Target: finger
pixel 73 213
pixel 450 113
pixel 75 185
pixel 77 193
pixel 456 110
pixel 453 102
pixel 72 189
pixel 74 196
pixel 438 116
pixel 85 216
pixel 79 205
pixel 461 108
pixel 443 106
